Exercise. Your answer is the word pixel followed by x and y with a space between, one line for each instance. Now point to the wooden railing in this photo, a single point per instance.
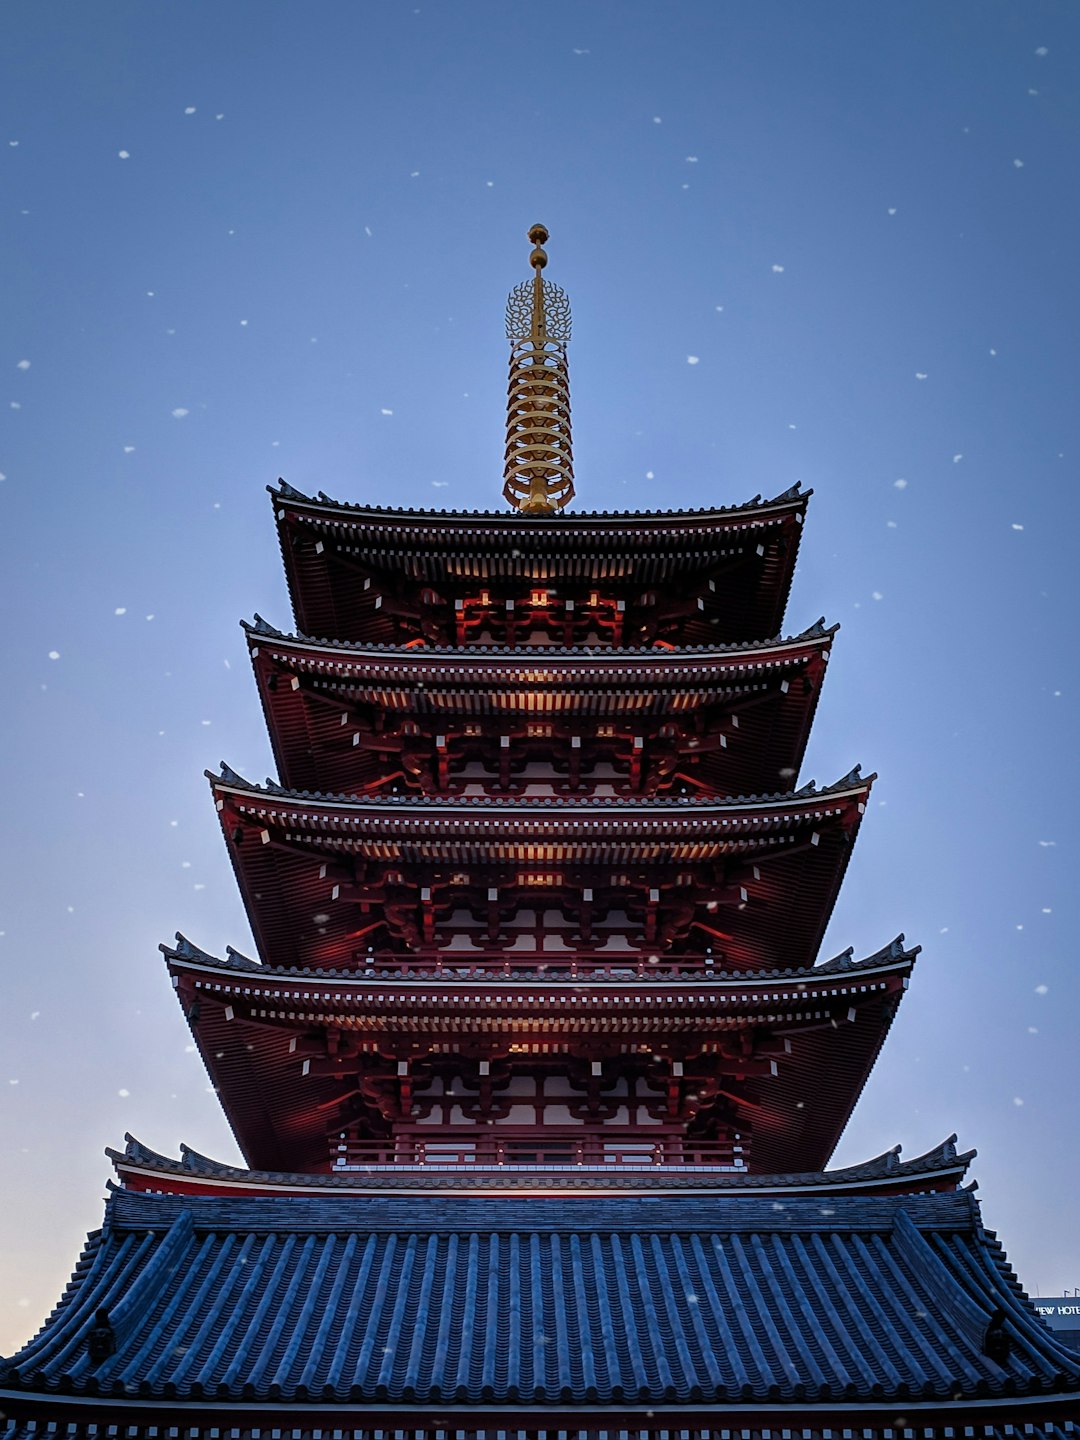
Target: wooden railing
pixel 493 1149
pixel 553 964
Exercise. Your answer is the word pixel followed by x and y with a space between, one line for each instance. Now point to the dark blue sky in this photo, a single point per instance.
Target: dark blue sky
pixel 833 243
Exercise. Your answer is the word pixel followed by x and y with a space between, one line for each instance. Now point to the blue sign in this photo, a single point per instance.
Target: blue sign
pixel 1060 1312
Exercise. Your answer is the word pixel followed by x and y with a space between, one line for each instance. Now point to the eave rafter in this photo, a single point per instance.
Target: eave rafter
pixel 357 571
pixel 308 1057
pixel 367 718
pixel 337 878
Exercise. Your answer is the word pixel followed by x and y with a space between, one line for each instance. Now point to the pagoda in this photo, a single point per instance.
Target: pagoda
pixel 536 1071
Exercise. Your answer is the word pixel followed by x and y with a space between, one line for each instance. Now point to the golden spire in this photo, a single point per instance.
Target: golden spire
pixel 539 468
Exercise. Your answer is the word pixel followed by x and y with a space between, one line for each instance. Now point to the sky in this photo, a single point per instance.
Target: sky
pixel 833 243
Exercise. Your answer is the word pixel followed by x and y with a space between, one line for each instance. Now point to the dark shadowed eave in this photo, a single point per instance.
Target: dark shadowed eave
pixel 342 559
pixel 766 869
pixel 341 714
pixel 252 1023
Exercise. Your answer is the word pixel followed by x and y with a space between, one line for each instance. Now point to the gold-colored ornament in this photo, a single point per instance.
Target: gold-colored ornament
pixel 539 465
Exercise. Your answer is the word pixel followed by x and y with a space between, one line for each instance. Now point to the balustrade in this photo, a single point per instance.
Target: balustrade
pixel 499 1147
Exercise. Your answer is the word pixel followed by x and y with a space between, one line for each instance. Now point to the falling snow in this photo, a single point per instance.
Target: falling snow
pixel 842 365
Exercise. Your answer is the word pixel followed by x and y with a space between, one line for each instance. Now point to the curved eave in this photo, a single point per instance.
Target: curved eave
pixel 459 524
pixel 835 977
pixel 577 663
pixel 826 1032
pixel 322 699
pixel 332 552
pixel 616 976
pixel 664 814
pixel 766 872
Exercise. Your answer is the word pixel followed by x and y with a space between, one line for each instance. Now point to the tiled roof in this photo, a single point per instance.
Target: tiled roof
pixel 607 656
pixel 285 491
pixel 469 1300
pixel 854 781
pixel 843 964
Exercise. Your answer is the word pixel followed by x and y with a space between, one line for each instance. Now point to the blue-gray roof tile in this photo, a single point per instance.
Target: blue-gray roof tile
pixel 467 1300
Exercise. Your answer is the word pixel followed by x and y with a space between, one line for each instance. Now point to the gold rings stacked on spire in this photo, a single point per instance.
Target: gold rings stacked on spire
pixel 539 465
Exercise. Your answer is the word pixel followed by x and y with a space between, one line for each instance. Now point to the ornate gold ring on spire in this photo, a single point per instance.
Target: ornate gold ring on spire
pixel 539 465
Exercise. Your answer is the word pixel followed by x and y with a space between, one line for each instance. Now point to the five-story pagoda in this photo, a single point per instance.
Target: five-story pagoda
pixel 537 1072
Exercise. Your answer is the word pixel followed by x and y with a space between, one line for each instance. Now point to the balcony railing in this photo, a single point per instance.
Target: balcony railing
pixel 503 1148
pixel 476 965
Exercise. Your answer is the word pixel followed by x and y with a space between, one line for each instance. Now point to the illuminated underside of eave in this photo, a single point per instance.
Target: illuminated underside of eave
pixel 318 876
pixel 280 1115
pixel 328 550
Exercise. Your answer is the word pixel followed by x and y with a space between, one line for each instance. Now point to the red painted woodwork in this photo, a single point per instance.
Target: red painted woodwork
pixel 538 889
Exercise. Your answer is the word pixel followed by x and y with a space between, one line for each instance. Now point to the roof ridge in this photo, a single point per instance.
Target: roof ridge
pixel 289 492
pixel 662 803
pixel 841 963
pixel 818 630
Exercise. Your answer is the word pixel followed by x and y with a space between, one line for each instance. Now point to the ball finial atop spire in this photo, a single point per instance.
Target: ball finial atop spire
pixel 539 236
pixel 539 470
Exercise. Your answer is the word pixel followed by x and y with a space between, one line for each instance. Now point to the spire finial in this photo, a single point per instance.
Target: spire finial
pixel 539 468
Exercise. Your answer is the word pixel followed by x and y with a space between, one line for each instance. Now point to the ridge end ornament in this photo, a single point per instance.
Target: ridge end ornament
pixel 538 471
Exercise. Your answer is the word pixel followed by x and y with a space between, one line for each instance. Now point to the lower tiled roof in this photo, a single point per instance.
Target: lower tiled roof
pixel 471 1300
